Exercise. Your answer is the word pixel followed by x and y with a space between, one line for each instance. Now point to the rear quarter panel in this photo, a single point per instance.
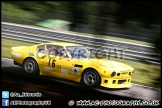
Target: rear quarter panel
pixel 20 54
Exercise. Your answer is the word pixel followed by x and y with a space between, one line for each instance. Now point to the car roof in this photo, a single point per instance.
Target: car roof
pixel 64 44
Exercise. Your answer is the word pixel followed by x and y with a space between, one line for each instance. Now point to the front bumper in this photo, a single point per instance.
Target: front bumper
pixel 116 82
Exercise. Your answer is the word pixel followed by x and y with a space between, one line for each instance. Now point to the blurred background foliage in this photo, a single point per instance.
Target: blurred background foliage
pixel 137 20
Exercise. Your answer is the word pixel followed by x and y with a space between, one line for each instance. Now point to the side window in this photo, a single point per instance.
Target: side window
pixel 60 51
pixel 51 49
pixel 41 48
pixel 78 52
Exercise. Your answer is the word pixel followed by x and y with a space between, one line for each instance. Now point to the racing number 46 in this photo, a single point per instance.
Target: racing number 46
pixel 53 62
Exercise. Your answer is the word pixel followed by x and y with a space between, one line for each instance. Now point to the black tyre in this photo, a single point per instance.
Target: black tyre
pixel 30 66
pixel 90 78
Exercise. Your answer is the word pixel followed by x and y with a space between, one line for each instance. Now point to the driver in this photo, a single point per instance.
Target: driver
pixel 61 52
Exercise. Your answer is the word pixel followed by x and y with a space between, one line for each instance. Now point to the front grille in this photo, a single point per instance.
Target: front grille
pixel 106 81
pixel 114 81
pixel 121 81
pixel 124 73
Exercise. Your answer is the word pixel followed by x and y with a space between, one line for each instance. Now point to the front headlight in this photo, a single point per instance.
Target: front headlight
pixel 113 73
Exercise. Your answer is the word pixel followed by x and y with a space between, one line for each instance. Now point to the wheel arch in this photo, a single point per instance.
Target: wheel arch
pixel 30 58
pixel 90 68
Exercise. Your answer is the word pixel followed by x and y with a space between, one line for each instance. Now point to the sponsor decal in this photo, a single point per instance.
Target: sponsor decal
pixel 75 70
pixel 16 55
pixel 31 54
pixel 65 71
pixel 47 69
pixel 58 66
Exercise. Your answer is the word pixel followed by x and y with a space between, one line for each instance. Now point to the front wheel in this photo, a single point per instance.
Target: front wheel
pixel 30 66
pixel 90 78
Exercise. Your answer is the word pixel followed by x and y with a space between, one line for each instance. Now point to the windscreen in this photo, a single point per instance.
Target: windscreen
pixel 79 52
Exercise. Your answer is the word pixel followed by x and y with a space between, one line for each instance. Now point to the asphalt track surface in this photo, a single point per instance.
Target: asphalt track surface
pixel 60 92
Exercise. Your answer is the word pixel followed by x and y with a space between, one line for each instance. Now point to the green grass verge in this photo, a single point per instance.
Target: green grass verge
pixel 145 74
pixel 7 44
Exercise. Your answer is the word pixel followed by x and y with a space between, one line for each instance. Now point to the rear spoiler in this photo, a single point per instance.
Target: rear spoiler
pixel 17 48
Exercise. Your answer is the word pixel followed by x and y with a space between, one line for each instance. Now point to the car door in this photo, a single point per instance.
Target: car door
pixel 54 64
pixel 77 62
pixel 62 63
pixel 45 67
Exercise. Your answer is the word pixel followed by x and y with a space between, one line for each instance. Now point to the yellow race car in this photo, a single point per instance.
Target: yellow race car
pixel 74 62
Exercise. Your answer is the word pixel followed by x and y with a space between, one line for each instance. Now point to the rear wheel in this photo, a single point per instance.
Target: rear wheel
pixel 90 78
pixel 30 66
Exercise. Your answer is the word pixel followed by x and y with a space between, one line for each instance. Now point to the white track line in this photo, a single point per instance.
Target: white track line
pixel 7 59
